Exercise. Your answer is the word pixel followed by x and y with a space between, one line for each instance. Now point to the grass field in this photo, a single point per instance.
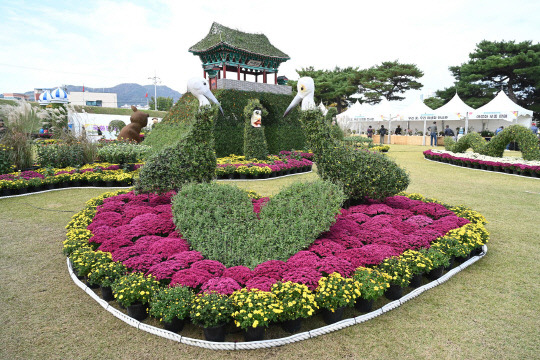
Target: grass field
pixel 488 311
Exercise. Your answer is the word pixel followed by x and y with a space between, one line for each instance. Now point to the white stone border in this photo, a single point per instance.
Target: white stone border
pixel 273 342
pixel 489 171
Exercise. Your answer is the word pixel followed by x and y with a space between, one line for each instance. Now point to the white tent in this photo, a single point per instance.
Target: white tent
pixel 503 110
pixel 453 110
pixel 353 117
pixel 418 112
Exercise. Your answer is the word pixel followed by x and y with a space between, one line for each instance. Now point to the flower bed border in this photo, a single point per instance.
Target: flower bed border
pixel 263 344
pixel 474 164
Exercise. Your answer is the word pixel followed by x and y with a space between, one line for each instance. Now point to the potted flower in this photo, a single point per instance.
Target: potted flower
pixel 85 259
pixel 451 246
pixel 105 274
pixel 134 291
pixel 243 171
pixel 296 301
pixel 212 311
pixel 333 294
pixel 253 311
pixel 373 283
pixel 439 260
pixel 418 263
pixel 172 306
pixel 398 269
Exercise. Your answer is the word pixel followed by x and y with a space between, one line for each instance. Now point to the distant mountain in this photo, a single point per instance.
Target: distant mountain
pixel 130 94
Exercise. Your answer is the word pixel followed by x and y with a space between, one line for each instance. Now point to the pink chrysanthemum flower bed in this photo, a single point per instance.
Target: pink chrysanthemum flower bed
pixel 139 231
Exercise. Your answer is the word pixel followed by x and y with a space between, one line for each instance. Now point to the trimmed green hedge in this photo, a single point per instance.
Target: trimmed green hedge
pixel 254 140
pixel 528 143
pixel 281 134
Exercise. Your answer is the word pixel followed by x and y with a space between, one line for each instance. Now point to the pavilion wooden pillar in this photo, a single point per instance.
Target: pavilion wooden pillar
pixel 256 78
pixel 224 71
pixel 244 75
pixel 275 78
pixel 204 73
pixel 238 72
pixel 264 76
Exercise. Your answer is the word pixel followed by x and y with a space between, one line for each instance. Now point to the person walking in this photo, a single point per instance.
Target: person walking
pixel 433 129
pixel 534 129
pixel 398 130
pixel 382 132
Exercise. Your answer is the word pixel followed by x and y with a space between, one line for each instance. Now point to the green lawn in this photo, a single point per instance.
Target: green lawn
pixel 488 311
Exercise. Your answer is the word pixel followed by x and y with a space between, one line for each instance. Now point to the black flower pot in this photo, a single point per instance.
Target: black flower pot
pixel 331 317
pixel 106 293
pixel 463 258
pixel 416 281
pixel 254 334
pixel 363 305
pixel 477 251
pixel 265 176
pixel 76 183
pixel 292 326
pixel 394 292
pixel 23 191
pixel 230 176
pixel 435 273
pixel 51 186
pixel 137 311
pixel 215 333
pixel 175 325
pixel 451 265
pixel 242 176
pixel 6 192
pixel 109 183
pixel 89 284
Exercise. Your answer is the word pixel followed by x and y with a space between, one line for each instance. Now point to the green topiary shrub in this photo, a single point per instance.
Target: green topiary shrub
pixel 254 139
pixel 281 134
pixel 219 220
pixel 190 160
pixel 360 173
pixel 115 126
pixel 527 141
pixel 471 140
pixel 123 153
pixel 164 134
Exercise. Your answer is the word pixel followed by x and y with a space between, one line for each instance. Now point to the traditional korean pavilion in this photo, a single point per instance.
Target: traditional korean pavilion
pixel 227 50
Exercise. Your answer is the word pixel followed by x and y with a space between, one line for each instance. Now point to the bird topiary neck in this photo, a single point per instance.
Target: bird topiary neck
pixel 317 130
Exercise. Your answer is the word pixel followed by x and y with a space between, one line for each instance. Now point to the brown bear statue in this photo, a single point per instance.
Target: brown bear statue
pixel 132 131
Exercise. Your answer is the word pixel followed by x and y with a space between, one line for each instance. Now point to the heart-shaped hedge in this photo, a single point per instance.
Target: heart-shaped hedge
pixel 219 222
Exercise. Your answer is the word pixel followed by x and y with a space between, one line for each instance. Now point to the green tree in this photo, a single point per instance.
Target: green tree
pixel 494 66
pixel 163 103
pixel 388 80
pixel 331 86
pixel 434 102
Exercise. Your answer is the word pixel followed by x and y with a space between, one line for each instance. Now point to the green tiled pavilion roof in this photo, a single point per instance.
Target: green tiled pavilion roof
pixel 253 43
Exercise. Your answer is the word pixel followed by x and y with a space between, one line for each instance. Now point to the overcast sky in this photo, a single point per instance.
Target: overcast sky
pixel 105 43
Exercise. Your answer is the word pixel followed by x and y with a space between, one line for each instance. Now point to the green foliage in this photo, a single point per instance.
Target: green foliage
pixel 164 134
pixel 191 159
pixel 387 80
pixel 494 66
pixel 358 141
pixel 281 134
pixel 163 103
pixel 115 126
pixel 106 273
pixel 170 303
pixel 6 159
pixel 471 140
pixel 228 230
pixel 527 141
pixel 60 155
pixel 360 173
pixel 434 103
pixel 254 139
pixel 123 153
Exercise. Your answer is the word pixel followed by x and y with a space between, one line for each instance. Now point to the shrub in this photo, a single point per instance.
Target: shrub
pixel 360 173
pixel 190 160
pixel 359 141
pixel 471 140
pixel 280 133
pixel 254 139
pixel 165 134
pixel 115 126
pixel 123 153
pixel 6 159
pixel 60 155
pixel 289 222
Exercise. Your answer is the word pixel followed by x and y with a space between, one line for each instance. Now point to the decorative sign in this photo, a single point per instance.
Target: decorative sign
pixel 254 63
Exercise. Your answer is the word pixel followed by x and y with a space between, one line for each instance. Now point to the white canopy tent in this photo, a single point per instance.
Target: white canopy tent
pixel 455 110
pixel 418 112
pixel 501 111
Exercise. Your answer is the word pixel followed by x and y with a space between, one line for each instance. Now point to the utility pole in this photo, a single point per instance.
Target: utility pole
pixel 156 80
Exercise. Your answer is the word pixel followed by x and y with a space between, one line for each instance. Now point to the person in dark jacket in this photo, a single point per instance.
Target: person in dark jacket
pixel 448 131
pixel 382 132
